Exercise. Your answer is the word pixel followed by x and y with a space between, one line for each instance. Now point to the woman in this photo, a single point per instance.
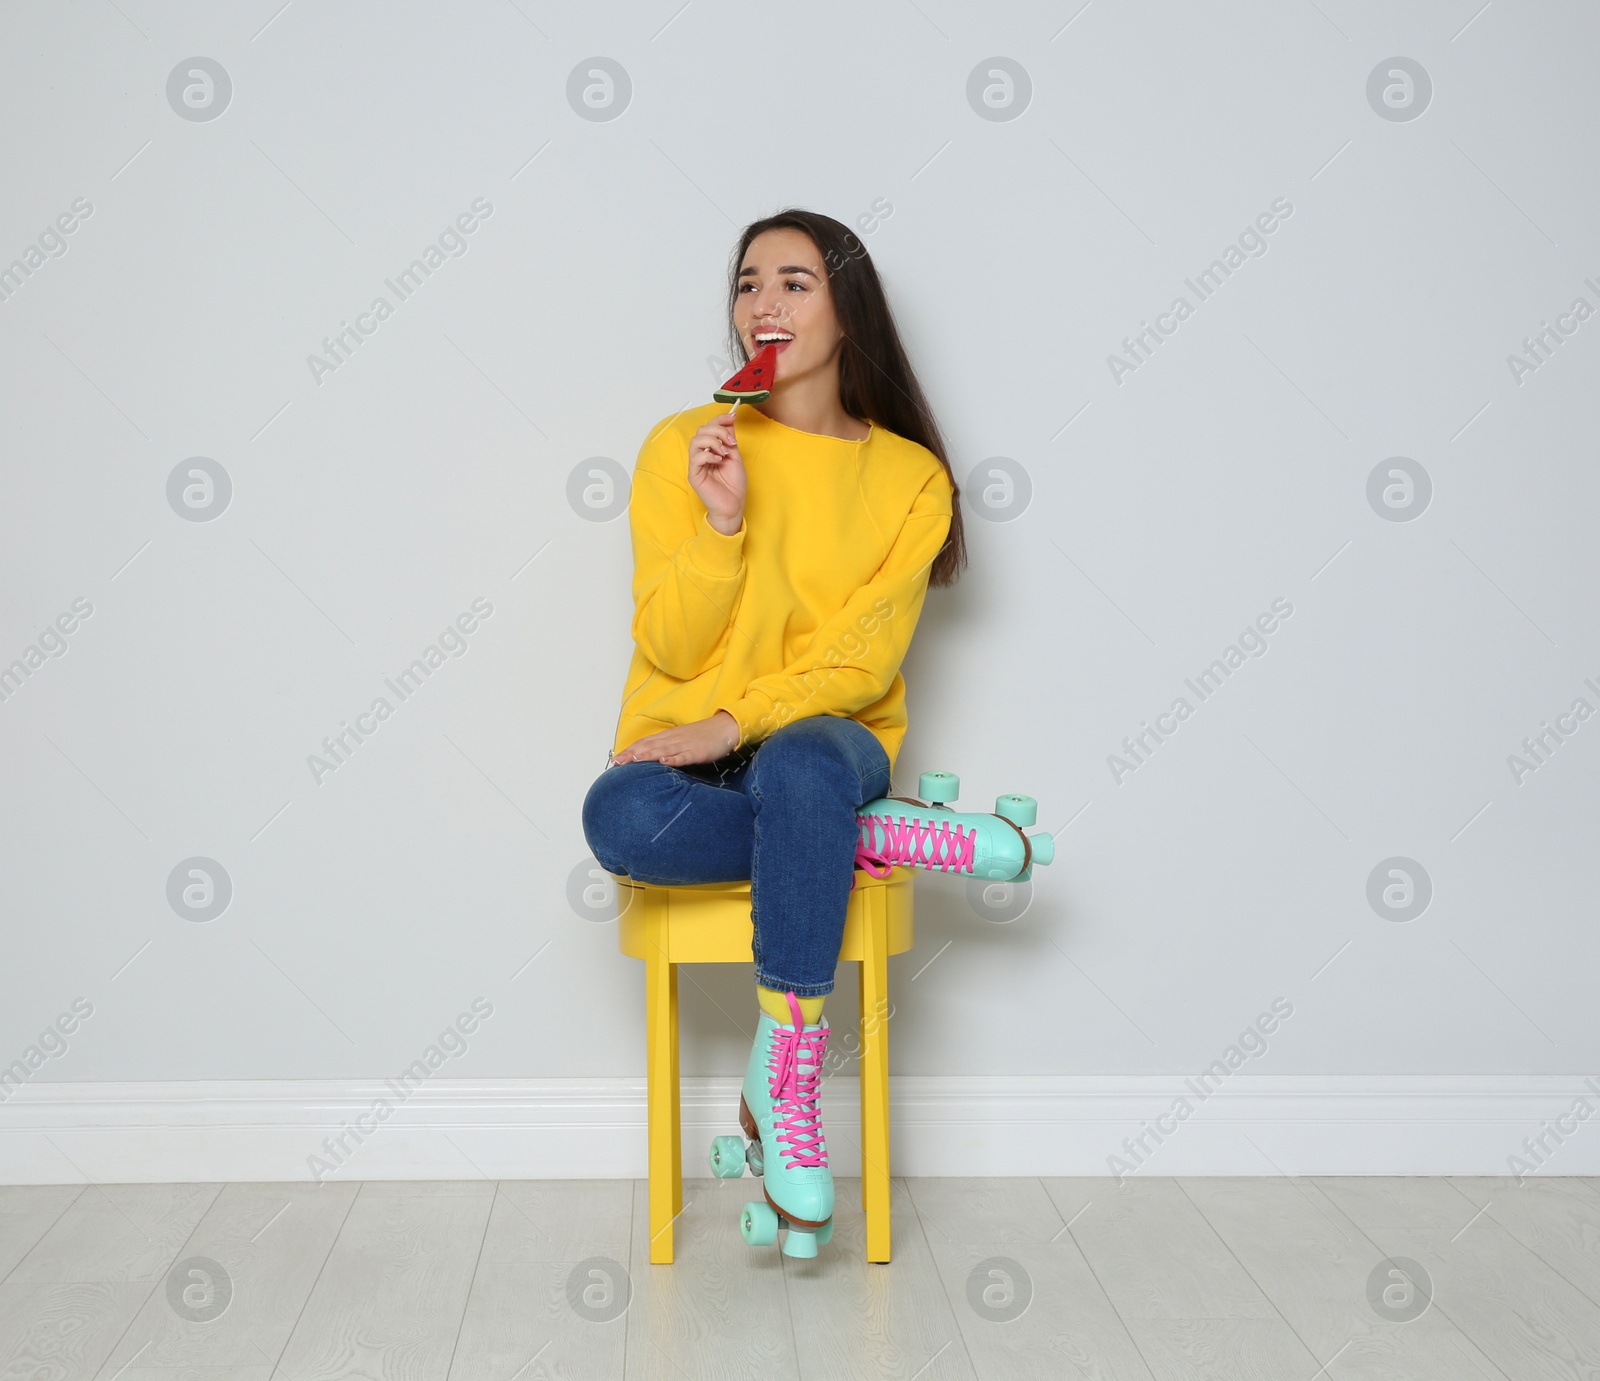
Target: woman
pixel 781 558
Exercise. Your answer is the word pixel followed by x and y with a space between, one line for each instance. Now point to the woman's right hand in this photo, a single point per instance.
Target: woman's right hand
pixel 716 473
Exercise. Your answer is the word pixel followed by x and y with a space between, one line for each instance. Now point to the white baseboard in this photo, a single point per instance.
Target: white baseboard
pixel 211 1131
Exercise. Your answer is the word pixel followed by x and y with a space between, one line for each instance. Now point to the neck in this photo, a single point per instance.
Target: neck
pixel 812 406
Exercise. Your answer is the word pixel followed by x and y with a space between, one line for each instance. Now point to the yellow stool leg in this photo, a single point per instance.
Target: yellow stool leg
pixel 676 1109
pixel 875 1078
pixel 661 1061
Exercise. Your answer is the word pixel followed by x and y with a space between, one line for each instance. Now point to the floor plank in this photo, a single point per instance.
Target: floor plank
pixel 1067 1329
pixel 116 1233
pixel 1522 1314
pixel 1006 1279
pixel 1314 1263
pixel 854 1318
pixel 519 1323
pixel 560 1220
pixel 1191 1308
pixel 272 1241
pixel 995 1210
pixel 223 1373
pixel 27 1212
pixel 1001 1244
pixel 1224 1350
pixel 721 1310
pixel 390 1298
pixel 1154 1253
pixel 51 1329
pixel 519 1319
pixel 1558 1220
pixel 1412 1202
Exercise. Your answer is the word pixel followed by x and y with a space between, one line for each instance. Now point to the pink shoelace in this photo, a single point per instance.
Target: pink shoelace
pixel 923 843
pixel 794 1066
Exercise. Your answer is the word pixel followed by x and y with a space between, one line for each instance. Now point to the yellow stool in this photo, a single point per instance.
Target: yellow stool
pixel 709 923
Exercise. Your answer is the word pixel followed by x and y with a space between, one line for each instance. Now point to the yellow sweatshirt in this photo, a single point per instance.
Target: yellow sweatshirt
pixel 809 608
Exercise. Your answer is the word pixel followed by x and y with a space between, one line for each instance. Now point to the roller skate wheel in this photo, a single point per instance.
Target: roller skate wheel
pixel 758 1225
pixel 727 1157
pixel 938 788
pixel 801 1242
pixel 753 1157
pixel 1020 810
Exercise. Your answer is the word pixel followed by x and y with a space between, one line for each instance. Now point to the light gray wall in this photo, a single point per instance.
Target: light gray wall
pixel 1170 508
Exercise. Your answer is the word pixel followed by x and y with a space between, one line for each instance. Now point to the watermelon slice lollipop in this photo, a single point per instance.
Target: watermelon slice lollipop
pixel 753 383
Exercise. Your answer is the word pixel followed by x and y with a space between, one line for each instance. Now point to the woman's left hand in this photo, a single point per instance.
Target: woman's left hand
pixel 705 740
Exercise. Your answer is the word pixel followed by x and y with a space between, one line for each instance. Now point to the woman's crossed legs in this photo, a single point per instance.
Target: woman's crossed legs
pixel 784 818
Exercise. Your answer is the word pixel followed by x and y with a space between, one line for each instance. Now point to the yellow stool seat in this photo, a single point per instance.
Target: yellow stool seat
pixel 709 923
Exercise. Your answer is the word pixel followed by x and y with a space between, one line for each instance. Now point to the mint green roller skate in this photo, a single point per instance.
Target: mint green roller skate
pixel 778 1112
pixel 902 830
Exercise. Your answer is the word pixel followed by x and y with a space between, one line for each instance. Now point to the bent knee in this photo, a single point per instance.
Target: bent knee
pixel 606 818
pixel 820 743
pixel 618 811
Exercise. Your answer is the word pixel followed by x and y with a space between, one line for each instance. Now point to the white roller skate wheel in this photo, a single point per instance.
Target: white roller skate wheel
pixel 727 1157
pixel 758 1224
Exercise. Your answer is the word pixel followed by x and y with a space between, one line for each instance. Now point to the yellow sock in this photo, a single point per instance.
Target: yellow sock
pixel 776 1006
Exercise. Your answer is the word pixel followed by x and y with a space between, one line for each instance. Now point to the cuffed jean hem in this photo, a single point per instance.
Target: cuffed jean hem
pixel 766 980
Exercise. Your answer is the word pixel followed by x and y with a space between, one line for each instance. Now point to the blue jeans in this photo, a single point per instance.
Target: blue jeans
pixel 782 817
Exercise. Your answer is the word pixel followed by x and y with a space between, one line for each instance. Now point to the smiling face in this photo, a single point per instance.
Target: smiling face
pixel 783 291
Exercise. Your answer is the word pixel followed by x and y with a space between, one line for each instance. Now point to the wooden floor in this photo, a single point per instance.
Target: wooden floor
pixel 1237 1279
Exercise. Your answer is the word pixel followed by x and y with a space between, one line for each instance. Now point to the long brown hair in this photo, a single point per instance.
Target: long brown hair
pixel 876 381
